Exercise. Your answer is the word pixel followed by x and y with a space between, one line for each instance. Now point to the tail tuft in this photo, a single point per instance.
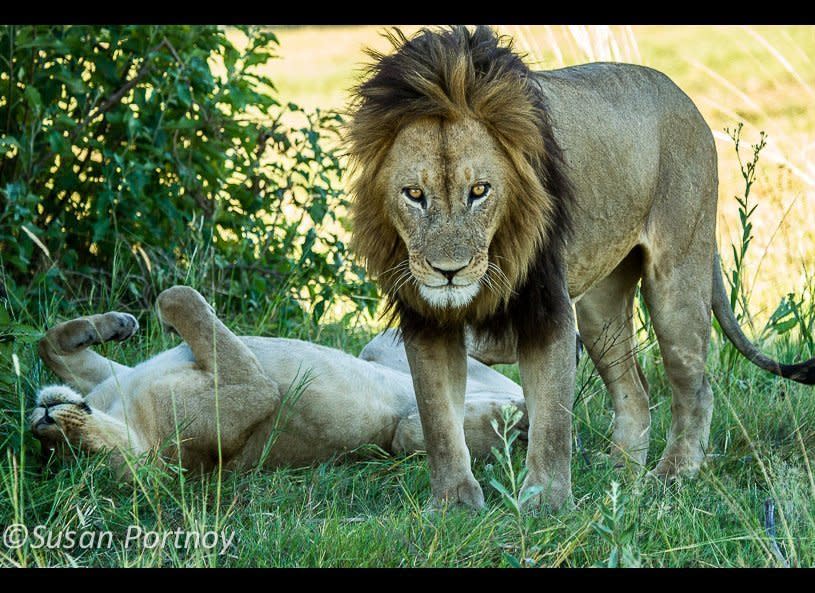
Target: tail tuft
pixel 800 373
pixel 803 372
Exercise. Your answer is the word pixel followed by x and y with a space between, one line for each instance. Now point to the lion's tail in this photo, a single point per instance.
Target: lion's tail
pixel 803 372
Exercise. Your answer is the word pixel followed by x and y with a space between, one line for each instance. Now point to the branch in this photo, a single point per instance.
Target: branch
pixel 116 97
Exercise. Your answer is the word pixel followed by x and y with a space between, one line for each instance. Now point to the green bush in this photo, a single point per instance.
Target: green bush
pixel 160 154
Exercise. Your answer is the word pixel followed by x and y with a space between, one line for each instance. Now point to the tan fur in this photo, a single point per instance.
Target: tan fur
pixel 640 202
pixel 219 396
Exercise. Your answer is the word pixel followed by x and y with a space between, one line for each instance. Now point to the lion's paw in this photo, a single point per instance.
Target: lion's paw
pixel 547 496
pixel 466 493
pixel 681 459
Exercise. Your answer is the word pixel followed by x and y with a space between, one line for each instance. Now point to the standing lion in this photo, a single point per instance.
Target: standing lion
pixel 492 197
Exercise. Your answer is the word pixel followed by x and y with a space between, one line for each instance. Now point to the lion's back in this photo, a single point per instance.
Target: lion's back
pixel 625 131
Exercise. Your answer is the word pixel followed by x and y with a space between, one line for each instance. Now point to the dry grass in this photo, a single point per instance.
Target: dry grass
pixel 762 76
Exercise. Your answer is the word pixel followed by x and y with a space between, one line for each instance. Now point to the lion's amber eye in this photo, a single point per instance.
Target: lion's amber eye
pixel 478 191
pixel 414 194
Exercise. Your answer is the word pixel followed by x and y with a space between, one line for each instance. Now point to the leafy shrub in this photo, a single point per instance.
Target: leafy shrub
pixel 163 150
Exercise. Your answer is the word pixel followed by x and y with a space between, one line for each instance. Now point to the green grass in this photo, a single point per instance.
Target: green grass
pixel 372 509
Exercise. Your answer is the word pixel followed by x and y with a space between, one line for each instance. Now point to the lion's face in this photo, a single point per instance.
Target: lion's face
pixel 444 185
pixel 453 160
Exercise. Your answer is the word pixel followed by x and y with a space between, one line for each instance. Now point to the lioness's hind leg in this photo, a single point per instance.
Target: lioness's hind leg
pixel 479 414
pixel 605 317
pixel 64 348
pixel 215 347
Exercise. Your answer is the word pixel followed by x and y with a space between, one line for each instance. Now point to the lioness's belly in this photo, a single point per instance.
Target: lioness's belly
pixel 335 401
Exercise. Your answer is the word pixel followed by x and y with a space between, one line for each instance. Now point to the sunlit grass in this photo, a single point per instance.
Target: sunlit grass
pixel 374 511
pixel 761 76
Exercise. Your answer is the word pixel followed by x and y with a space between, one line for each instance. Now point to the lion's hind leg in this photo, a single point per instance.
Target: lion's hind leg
pixel 679 305
pixel 605 317
pixel 677 287
pixel 64 348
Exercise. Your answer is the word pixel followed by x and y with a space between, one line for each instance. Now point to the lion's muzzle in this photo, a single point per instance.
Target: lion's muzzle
pixel 449 269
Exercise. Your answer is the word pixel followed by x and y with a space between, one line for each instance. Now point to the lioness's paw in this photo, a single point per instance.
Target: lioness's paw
pixel 121 326
pixel 179 300
pixel 54 395
pixel 60 412
pixel 75 335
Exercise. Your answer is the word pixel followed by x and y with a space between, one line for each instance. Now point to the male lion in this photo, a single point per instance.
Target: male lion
pixel 493 197
pixel 220 396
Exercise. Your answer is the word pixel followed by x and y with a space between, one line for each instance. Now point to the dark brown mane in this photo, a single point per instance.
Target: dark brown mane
pixel 452 73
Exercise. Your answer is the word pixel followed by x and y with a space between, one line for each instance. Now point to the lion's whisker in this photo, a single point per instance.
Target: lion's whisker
pixel 487 281
pixel 403 279
pixel 396 268
pixel 500 277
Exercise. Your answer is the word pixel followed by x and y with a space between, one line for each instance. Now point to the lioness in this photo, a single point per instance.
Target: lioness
pixel 493 197
pixel 218 386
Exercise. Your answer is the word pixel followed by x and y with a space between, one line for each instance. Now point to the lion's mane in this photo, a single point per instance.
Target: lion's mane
pixel 454 73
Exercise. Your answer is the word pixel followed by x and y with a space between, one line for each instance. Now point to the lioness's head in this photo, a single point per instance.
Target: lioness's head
pixel 452 154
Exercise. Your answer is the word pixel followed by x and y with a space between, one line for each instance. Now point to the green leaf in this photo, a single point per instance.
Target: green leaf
pixel 511 560
pixel 58 142
pixel 32 95
pixel 183 91
pixel 501 488
pixel 530 492
pixel 783 327
pixel 9 142
pixel 65 120
pixel 614 558
pixel 26 333
pixel 107 68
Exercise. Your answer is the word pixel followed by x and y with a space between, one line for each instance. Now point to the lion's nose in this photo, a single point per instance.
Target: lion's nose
pixel 45 420
pixel 448 268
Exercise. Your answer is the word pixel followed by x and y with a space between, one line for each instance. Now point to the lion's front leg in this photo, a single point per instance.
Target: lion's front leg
pixel 438 364
pixel 548 377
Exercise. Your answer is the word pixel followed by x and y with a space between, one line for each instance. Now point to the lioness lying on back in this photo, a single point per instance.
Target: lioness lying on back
pixel 172 403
